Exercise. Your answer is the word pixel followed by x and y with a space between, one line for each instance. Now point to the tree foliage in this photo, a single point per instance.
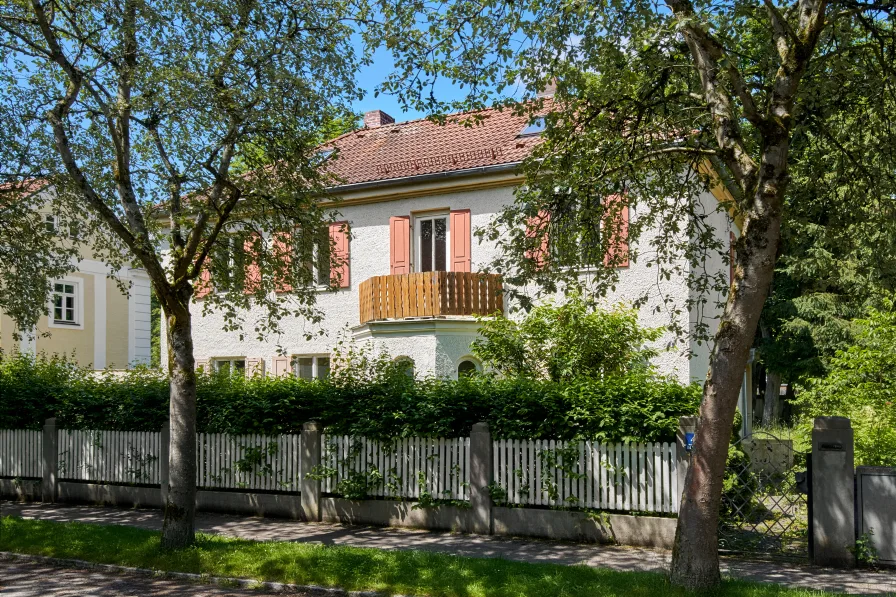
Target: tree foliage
pixel 565 341
pixel 860 385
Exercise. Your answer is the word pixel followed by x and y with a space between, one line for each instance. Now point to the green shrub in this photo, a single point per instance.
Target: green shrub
pixel 861 385
pixel 634 407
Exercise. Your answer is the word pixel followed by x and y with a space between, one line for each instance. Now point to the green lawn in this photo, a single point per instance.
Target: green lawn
pixel 405 572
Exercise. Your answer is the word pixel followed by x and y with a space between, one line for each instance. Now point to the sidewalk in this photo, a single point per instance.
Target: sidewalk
pixel 526 550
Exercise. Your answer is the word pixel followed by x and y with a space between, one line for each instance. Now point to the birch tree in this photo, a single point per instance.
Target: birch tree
pixel 187 128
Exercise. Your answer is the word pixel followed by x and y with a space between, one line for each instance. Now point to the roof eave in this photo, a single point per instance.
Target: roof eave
pixel 418 178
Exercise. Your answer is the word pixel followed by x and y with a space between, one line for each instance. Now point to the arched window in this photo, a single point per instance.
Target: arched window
pixel 466 368
pixel 407 365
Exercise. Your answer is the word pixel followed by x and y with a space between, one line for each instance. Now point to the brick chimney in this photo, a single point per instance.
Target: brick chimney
pixel 377 118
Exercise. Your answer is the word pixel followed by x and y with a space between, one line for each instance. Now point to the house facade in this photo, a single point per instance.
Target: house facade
pixel 413 195
pixel 88 318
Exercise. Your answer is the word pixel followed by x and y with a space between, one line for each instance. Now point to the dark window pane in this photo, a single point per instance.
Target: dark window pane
pixel 306 369
pixel 239 367
pixel 323 367
pixel 466 368
pixel 440 244
pixel 426 246
pixel 69 289
pixel 323 257
pixel 58 287
pixel 222 366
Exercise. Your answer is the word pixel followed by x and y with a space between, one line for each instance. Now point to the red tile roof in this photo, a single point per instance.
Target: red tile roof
pixel 419 147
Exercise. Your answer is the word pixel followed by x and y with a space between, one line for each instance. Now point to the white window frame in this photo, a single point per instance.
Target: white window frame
pixel 51 219
pixel 78 324
pixel 216 363
pixel 315 371
pixel 418 244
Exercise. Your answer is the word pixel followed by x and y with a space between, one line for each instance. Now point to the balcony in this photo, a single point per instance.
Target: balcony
pixel 430 294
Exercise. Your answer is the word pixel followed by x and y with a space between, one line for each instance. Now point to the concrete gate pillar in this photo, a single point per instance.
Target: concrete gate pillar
pixel 49 461
pixel 833 493
pixel 480 479
pixel 310 460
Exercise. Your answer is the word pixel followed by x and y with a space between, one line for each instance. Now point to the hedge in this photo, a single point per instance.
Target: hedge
pixel 634 407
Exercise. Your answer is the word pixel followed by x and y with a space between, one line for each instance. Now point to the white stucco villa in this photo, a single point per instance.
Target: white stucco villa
pixel 413 195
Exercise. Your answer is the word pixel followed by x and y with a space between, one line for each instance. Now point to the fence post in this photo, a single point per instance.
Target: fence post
pixel 164 451
pixel 50 461
pixel 833 493
pixel 480 478
pixel 684 440
pixel 310 461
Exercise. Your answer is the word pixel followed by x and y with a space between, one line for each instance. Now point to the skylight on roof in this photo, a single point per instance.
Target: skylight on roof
pixel 535 127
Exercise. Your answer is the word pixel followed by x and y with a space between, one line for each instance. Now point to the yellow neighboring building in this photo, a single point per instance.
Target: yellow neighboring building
pixel 88 318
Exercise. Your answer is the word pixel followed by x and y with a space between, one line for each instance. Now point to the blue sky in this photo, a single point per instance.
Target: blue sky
pixel 369 77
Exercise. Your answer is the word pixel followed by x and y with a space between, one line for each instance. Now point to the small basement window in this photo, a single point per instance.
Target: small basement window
pixel 535 127
pixel 231 366
pixel 466 368
pixel 311 367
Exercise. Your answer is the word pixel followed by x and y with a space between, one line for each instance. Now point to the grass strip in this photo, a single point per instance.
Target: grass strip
pixel 352 568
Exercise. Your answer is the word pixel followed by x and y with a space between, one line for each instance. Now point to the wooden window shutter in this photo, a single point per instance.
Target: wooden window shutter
pixel 538 226
pixel 617 252
pixel 252 246
pixel 283 255
pixel 400 245
pixel 460 240
pixel 204 283
pixel 255 366
pixel 203 365
pixel 339 269
pixel 281 366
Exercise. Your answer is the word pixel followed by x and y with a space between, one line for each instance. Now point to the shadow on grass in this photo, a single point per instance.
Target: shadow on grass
pixel 352 568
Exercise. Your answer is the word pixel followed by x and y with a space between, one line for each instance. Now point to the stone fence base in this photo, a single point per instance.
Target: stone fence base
pixel 644 531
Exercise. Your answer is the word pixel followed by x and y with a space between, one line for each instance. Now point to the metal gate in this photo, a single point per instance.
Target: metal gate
pixel 764 509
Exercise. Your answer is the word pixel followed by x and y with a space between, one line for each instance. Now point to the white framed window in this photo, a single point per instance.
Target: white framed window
pixel 50 223
pixel 66 304
pixel 231 366
pixel 312 251
pixel 311 366
pixel 431 242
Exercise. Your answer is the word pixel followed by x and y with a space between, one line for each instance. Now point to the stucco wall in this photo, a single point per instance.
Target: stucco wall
pixel 116 327
pixel 369 225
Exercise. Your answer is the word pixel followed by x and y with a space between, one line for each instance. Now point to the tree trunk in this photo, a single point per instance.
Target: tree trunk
pixel 695 556
pixel 180 507
pixel 770 404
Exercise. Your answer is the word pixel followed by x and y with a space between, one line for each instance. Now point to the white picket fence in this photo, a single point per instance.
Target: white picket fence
pixel 406 468
pixel 109 456
pixel 257 462
pixel 636 476
pixel 20 451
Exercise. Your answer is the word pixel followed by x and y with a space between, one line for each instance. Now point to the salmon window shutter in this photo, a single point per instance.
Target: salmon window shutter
pixel 339 239
pixel 538 226
pixel 204 284
pixel 253 272
pixel 460 240
pixel 617 253
pixel 281 366
pixel 254 367
pixel 400 245
pixel 283 255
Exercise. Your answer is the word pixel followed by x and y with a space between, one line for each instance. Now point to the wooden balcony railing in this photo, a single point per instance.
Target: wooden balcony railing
pixel 430 294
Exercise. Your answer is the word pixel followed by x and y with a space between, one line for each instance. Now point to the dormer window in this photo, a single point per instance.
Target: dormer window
pixel 535 127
